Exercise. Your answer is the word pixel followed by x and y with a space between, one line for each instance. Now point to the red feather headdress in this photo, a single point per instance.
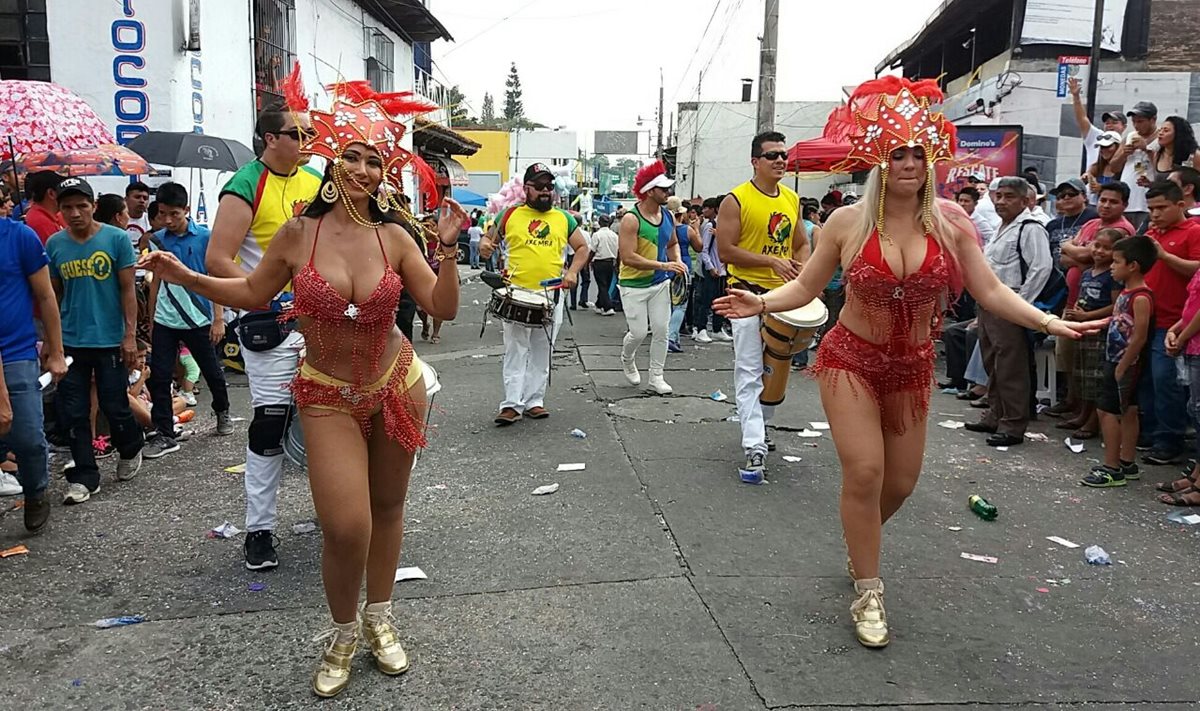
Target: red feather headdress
pixel 889 113
pixel 647 173
pixel 361 115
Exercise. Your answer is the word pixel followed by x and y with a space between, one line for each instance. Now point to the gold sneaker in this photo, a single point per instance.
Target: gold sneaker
pixel 870 619
pixel 334 673
pixel 379 627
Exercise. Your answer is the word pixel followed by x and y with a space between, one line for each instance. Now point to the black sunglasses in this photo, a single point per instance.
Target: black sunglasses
pixel 542 186
pixel 773 155
pixel 297 133
pixel 1068 194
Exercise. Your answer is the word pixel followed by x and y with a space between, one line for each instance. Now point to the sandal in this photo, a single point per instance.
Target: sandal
pixel 435 340
pixel 980 404
pixel 1179 498
pixel 1069 425
pixel 968 395
pixel 1083 434
pixel 1176 486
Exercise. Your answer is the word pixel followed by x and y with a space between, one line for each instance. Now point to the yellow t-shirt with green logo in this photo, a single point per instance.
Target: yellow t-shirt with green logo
pixel 768 225
pixel 274 198
pixel 537 243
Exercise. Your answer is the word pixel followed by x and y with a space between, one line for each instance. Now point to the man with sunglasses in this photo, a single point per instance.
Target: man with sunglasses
pixel 537 235
pixel 254 204
pixel 756 226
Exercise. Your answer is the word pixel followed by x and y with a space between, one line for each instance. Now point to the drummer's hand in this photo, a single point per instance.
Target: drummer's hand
pixel 674 267
pixel 787 269
pixel 569 280
pixel 738 304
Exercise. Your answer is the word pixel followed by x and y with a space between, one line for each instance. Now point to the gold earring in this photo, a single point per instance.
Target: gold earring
pixel 382 200
pixel 329 192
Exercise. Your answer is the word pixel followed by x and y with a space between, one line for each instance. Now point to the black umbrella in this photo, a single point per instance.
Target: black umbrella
pixel 191 150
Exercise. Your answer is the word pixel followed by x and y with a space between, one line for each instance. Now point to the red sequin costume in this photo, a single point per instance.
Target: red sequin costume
pixel 894 360
pixel 361 116
pixel 370 324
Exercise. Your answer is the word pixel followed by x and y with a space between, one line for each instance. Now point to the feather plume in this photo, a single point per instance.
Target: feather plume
pixel 404 103
pixel 841 125
pixel 647 173
pixel 427 179
pixel 293 91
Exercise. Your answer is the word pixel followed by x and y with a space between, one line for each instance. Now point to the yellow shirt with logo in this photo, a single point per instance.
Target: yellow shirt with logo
pixel 768 226
pixel 274 198
pixel 537 243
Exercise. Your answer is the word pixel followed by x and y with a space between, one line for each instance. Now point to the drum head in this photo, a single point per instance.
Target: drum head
pixel 531 298
pixel 810 315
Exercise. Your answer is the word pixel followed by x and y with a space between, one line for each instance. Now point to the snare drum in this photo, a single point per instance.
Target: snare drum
pixel 522 306
pixel 293 443
pixel 785 334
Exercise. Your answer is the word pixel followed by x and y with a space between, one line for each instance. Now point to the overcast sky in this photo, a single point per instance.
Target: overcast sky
pixel 595 65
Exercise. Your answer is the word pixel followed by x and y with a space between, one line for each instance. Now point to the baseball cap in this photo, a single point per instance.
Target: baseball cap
pixel 75 185
pixel 675 205
pixel 974 178
pixel 537 169
pixel 659 181
pixel 1113 116
pixel 1107 138
pixel 1143 109
pixel 1074 183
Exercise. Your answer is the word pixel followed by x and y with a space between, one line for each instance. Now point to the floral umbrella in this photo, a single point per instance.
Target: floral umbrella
pixel 108 159
pixel 37 116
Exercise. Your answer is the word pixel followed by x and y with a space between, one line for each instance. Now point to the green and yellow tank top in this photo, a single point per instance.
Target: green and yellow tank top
pixel 652 242
pixel 274 198
pixel 537 243
pixel 768 225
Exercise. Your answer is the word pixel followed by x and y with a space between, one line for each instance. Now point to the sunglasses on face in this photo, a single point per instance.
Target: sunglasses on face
pixel 773 155
pixel 542 187
pixel 1068 194
pixel 296 133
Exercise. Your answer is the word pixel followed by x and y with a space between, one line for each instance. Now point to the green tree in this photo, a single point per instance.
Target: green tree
pixel 456 107
pixel 487 115
pixel 514 108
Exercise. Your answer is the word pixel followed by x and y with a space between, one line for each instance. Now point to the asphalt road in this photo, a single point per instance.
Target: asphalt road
pixel 653 579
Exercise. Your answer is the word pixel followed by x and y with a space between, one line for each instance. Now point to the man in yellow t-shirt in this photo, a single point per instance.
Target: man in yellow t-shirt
pixel 537 235
pixel 254 204
pixel 756 229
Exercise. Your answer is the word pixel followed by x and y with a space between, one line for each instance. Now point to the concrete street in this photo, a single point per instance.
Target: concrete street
pixel 654 579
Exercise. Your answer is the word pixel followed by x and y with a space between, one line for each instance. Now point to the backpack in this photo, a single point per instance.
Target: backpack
pixel 1053 295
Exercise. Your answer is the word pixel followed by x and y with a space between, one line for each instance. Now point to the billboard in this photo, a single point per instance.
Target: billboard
pixel 621 143
pixel 986 151
pixel 1070 22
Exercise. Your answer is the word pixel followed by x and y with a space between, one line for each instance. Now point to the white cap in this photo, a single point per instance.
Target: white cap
pixel 1107 138
pixel 660 181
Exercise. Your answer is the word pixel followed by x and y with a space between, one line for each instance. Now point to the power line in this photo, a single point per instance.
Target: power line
pixel 479 34
pixel 696 51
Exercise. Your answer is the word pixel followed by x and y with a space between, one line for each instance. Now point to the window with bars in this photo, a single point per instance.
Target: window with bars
pixel 381 60
pixel 24 41
pixel 274 48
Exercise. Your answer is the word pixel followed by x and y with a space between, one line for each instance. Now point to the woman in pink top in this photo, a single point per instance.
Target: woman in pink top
pixel 1184 339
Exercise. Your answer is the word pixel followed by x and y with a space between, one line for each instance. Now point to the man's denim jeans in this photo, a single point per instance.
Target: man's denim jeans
pixel 27 438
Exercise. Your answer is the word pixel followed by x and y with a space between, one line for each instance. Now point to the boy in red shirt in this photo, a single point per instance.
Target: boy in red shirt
pixel 42 215
pixel 1163 399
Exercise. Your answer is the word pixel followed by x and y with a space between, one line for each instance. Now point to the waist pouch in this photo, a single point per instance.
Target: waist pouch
pixel 261 331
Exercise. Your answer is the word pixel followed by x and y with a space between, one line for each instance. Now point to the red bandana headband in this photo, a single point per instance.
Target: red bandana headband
pixel 361 115
pixel 889 113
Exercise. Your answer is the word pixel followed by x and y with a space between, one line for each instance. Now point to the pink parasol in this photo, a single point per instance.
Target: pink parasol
pixel 99 160
pixel 39 116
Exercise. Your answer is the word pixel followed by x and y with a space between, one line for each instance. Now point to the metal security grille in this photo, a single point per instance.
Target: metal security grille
pixel 381 59
pixel 274 48
pixel 24 41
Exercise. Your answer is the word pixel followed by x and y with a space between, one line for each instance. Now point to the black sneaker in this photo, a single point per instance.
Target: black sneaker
pixel 770 443
pixel 159 446
pixel 260 551
pixel 1131 472
pixel 1159 456
pixel 1103 477
pixel 1145 444
pixel 37 512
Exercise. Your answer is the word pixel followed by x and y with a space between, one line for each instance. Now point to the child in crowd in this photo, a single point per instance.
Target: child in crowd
pixel 139 394
pixel 1182 340
pixel 1127 355
pixel 1097 293
pixel 190 376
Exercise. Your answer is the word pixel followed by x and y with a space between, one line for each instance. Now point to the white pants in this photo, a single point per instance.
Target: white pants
pixel 270 373
pixel 527 362
pixel 747 384
pixel 647 309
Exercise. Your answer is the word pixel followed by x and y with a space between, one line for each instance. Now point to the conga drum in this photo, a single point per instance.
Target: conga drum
pixel 785 334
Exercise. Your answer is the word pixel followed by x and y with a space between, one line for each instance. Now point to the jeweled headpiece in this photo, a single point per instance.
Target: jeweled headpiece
pixel 359 114
pixel 889 113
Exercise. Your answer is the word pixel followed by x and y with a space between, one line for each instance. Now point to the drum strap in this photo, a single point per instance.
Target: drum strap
pixel 747 286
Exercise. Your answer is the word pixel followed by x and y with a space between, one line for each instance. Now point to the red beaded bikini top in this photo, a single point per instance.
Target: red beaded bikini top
pixel 891 304
pixel 372 320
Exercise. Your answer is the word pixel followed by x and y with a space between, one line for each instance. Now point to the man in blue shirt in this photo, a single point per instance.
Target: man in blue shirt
pixel 182 316
pixel 91 267
pixel 25 280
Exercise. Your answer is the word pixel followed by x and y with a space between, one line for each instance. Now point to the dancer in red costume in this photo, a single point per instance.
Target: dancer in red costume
pixel 906 256
pixel 360 389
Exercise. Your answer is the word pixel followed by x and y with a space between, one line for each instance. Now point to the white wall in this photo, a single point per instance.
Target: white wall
pixel 542 146
pixel 722 153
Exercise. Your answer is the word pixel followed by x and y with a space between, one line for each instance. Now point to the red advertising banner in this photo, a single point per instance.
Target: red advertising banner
pixel 988 152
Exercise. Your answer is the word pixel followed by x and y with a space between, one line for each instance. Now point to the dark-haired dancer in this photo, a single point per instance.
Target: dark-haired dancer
pixel 360 391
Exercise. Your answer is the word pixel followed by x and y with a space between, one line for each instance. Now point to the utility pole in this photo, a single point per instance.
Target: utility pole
pixel 767 62
pixel 660 113
pixel 695 137
pixel 1094 65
